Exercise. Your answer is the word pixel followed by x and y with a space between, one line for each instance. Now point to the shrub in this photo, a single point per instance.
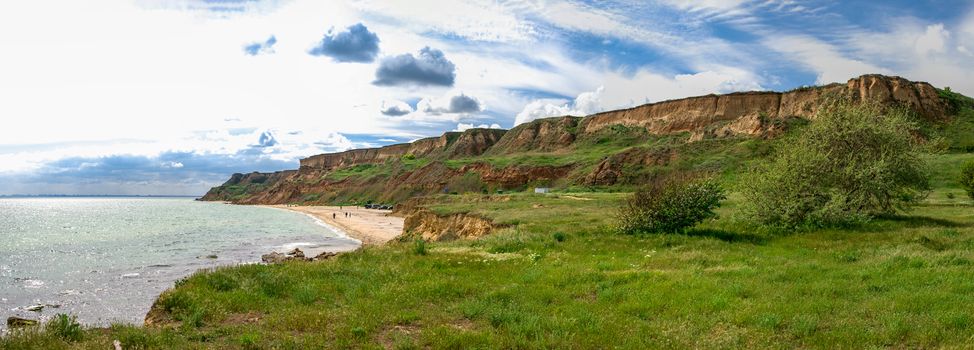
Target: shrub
pixel 560 237
pixel 855 161
pixel 955 100
pixel 670 205
pixel 967 178
pixel 419 247
pixel 172 301
pixel 65 327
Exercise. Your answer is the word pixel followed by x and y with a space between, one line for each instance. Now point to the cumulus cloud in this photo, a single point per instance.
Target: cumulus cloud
pixel 933 41
pixel 464 126
pixel 458 104
pixel 395 108
pixel 266 139
pixel 586 103
pixel 355 44
pixel 257 48
pixel 429 67
pixel 464 104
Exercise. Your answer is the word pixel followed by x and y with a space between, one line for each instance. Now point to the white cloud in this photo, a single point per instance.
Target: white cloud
pixel 933 41
pixel 823 58
pixel 622 91
pixel 464 126
pixel 395 108
pixel 451 104
pixel 586 103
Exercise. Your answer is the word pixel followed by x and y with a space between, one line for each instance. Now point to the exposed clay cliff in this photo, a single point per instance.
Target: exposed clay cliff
pixel 429 226
pixel 542 135
pixel 489 159
pixel 744 113
pixel 472 142
pixel 242 184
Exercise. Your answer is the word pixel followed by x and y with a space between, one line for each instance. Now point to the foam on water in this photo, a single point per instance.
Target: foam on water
pixel 106 259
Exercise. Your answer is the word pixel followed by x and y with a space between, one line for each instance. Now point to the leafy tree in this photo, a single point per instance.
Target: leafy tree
pixel 855 161
pixel 670 205
pixel 967 178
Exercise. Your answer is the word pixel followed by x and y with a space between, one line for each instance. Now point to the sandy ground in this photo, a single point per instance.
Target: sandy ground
pixel 370 226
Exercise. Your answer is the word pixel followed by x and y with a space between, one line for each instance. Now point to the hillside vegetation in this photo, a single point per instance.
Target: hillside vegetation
pixel 557 273
pixel 609 151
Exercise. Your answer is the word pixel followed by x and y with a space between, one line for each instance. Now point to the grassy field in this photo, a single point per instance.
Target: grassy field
pixel 559 277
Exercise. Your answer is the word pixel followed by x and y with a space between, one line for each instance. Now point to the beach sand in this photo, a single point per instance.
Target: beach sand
pixel 372 227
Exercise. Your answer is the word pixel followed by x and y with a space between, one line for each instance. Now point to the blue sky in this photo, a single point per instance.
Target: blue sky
pixel 171 96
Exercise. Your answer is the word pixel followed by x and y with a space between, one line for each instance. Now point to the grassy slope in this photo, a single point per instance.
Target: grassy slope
pixel 559 277
pixel 904 281
pixel 720 155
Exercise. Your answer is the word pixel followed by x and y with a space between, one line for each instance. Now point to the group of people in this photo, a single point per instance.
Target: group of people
pixel 335 216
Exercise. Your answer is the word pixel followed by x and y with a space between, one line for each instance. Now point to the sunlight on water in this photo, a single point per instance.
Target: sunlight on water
pixel 106 259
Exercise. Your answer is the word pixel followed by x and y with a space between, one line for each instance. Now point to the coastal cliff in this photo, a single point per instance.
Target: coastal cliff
pixel 613 148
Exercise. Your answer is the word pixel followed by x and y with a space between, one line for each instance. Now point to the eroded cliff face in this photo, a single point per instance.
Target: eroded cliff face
pixel 748 112
pixel 240 185
pixel 429 226
pixel 472 142
pixel 542 135
pixel 751 114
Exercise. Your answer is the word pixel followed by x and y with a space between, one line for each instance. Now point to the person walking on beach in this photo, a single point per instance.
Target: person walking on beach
pixel 333 217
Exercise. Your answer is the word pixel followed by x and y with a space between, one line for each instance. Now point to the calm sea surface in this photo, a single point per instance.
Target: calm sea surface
pixel 107 259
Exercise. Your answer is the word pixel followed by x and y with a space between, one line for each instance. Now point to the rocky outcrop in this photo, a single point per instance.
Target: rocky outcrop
pixel 294 255
pixel 472 142
pixel 426 225
pixel 746 112
pixel 246 184
pixel 611 169
pixel 19 322
pixel 541 135
pixel 516 176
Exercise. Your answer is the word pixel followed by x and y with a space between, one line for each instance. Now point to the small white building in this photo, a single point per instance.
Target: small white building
pixel 542 190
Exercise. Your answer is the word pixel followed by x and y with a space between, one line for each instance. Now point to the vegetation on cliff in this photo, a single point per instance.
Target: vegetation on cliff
pixel 614 150
pixel 555 272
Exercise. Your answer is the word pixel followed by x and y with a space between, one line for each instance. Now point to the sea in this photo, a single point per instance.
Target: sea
pixel 106 259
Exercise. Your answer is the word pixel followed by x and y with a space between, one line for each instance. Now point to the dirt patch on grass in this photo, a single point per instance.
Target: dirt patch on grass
pixel 390 336
pixel 243 318
pixel 477 253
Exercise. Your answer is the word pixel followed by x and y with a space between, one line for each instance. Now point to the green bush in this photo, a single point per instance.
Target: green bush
pixel 419 247
pixel 955 100
pixel 559 236
pixel 967 178
pixel 65 327
pixel 855 161
pixel 670 205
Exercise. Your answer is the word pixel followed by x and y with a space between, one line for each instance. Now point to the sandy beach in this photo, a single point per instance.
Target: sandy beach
pixel 372 227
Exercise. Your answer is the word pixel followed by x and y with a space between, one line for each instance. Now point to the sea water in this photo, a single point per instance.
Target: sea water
pixel 106 260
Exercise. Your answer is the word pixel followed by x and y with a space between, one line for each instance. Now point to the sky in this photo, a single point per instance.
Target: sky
pixel 170 97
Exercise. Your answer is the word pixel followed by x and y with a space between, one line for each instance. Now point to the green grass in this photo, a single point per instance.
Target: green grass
pixel 558 277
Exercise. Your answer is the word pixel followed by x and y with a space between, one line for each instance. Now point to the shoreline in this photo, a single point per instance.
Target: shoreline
pixel 368 226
